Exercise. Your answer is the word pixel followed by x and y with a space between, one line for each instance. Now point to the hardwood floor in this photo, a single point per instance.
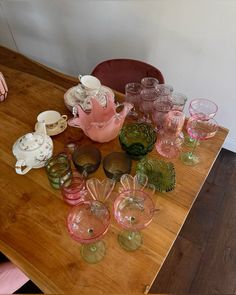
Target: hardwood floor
pixel 203 258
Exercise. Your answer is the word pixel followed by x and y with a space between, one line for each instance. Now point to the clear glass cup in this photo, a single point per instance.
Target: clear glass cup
pixel 132 95
pixel 149 82
pixel 58 169
pixel 179 100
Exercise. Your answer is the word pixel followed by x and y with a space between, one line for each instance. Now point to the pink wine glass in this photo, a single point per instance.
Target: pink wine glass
pixel 204 108
pixel 133 210
pixel 89 221
pixel 198 129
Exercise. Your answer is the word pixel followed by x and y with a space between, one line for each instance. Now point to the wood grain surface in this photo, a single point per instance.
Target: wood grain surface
pixel 32 214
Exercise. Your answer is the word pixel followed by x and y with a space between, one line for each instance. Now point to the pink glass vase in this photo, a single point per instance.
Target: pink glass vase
pixel 3 88
pixel 102 124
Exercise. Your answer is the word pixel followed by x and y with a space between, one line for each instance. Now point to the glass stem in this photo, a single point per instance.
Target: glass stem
pixel 194 147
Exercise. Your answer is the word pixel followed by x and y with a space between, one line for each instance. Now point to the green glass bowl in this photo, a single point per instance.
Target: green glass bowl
pixel 137 139
pixel 160 173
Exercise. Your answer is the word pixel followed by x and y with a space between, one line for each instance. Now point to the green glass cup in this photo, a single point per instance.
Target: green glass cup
pixel 58 170
pixel 137 139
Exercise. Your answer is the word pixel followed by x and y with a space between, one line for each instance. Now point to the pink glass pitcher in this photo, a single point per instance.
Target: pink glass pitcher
pixel 3 88
pixel 101 124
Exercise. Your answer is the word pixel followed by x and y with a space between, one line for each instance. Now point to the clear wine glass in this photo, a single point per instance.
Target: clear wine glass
pixel 199 129
pixel 89 221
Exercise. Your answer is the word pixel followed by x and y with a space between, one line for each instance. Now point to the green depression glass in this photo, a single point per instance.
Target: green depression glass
pixel 137 139
pixel 161 174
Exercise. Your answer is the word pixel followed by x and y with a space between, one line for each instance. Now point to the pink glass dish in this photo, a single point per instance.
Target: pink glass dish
pixel 102 124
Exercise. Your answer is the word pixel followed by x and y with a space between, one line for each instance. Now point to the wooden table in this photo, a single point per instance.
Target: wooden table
pixel 32 215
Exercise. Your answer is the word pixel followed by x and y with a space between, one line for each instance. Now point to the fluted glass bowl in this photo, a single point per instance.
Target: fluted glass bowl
pixel 137 139
pixel 161 174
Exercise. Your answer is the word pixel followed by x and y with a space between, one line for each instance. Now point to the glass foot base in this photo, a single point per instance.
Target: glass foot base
pixel 93 253
pixel 129 240
pixel 189 159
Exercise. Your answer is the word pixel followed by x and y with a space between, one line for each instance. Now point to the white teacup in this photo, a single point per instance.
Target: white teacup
pixel 90 85
pixel 51 118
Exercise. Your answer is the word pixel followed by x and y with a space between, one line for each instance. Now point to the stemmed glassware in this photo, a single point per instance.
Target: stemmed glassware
pixel 133 210
pixel 132 95
pixel 89 221
pixel 203 108
pixel 148 98
pixel 198 128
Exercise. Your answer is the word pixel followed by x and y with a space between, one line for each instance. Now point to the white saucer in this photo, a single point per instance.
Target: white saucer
pixel 62 125
pixel 72 98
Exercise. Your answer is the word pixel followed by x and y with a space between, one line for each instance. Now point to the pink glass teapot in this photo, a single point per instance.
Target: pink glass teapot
pixel 102 124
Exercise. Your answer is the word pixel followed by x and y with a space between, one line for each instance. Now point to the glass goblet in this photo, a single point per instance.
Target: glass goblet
pixel 149 82
pixel 161 107
pixel 179 100
pixel 132 95
pixel 201 107
pixel 148 98
pixel 86 159
pixel 87 223
pixel 198 129
pixel 133 210
pixel 116 164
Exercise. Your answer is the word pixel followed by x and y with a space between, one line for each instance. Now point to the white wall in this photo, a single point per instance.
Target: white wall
pixel 193 42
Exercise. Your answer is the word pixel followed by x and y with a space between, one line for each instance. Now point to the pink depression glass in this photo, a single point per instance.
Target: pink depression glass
pixel 74 189
pixel 87 223
pixel 149 82
pixel 148 98
pixel 174 122
pixel 161 107
pixel 179 100
pixel 199 129
pixel 102 124
pixel 203 108
pixel 133 210
pixel 132 95
pixel 169 145
pixel 3 88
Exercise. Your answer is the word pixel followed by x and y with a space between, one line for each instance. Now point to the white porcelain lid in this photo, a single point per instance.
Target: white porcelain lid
pixel 30 141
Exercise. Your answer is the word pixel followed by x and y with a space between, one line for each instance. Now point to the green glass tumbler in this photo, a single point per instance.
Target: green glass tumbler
pixel 58 170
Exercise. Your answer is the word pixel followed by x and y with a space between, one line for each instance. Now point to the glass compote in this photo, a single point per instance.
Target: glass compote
pixel 133 210
pixel 199 129
pixel 89 221
pixel 203 108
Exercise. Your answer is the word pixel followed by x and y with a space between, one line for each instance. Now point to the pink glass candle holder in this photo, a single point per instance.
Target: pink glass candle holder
pixel 74 189
pixel 174 122
pixel 3 88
